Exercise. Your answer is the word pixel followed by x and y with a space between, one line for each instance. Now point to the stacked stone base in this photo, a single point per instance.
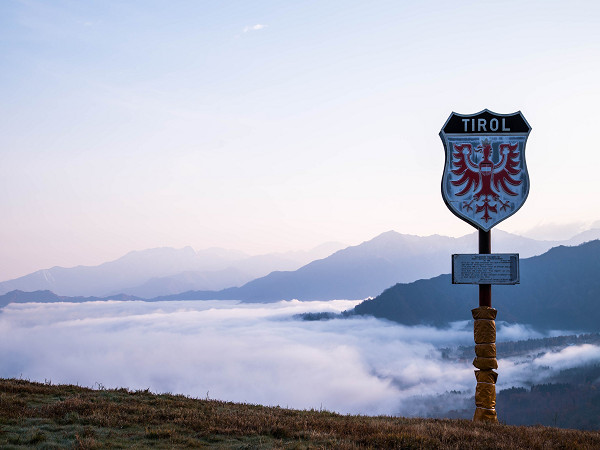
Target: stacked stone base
pixel 485 360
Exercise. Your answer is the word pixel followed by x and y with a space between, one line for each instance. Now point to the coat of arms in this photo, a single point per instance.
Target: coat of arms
pixel 485 176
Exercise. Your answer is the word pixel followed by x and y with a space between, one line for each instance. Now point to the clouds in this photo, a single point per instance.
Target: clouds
pixel 540 366
pixel 256 27
pixel 254 353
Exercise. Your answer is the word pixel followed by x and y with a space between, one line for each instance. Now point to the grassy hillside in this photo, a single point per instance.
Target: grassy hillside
pixel 48 416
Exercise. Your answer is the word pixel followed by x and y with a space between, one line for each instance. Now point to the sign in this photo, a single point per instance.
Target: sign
pixel 485 177
pixel 495 268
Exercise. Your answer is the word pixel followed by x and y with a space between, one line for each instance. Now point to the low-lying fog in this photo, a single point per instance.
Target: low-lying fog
pixel 257 353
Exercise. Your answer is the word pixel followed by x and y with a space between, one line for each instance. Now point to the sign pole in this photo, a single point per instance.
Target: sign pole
pixel 484 333
pixel 485 248
pixel 485 181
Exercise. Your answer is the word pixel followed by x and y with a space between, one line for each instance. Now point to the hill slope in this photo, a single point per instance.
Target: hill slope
pixel 43 415
pixel 558 290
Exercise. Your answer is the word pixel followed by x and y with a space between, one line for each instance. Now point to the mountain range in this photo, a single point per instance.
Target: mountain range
pixel 355 272
pixel 163 271
pixel 558 291
pixel 367 269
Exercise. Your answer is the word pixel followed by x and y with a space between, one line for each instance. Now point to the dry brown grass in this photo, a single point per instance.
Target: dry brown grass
pixel 48 416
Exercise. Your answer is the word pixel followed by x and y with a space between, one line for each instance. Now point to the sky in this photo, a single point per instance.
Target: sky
pixel 269 126
pixel 258 353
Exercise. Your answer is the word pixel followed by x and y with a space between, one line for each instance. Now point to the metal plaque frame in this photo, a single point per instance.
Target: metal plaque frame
pixel 494 268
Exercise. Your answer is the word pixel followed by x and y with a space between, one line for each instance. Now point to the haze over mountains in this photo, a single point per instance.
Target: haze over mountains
pixel 354 272
pixel 163 271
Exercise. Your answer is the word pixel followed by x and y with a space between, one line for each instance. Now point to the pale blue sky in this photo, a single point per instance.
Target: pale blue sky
pixel 270 126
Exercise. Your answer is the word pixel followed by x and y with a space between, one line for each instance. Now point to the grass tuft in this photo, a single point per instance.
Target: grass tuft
pixel 160 433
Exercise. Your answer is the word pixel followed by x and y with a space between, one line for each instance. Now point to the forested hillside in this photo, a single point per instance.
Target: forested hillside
pixel 558 290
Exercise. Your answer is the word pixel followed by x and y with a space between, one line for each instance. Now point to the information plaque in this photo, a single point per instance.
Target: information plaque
pixel 495 268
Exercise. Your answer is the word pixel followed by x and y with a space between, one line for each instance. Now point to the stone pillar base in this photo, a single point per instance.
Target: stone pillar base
pixel 485 360
pixel 485 415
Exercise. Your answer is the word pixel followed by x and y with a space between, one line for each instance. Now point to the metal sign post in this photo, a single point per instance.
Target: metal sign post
pixel 485 181
pixel 485 248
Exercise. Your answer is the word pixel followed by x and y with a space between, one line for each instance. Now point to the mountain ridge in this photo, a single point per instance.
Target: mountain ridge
pixel 366 269
pixel 132 272
pixel 354 272
pixel 46 296
pixel 557 291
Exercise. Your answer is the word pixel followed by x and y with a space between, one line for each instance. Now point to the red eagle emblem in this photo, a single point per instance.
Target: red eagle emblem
pixel 485 177
pixel 489 179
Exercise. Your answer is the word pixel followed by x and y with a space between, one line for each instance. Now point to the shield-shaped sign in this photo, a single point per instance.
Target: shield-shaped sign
pixel 485 177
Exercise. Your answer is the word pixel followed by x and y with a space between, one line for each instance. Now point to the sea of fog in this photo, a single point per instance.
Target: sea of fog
pixel 258 353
